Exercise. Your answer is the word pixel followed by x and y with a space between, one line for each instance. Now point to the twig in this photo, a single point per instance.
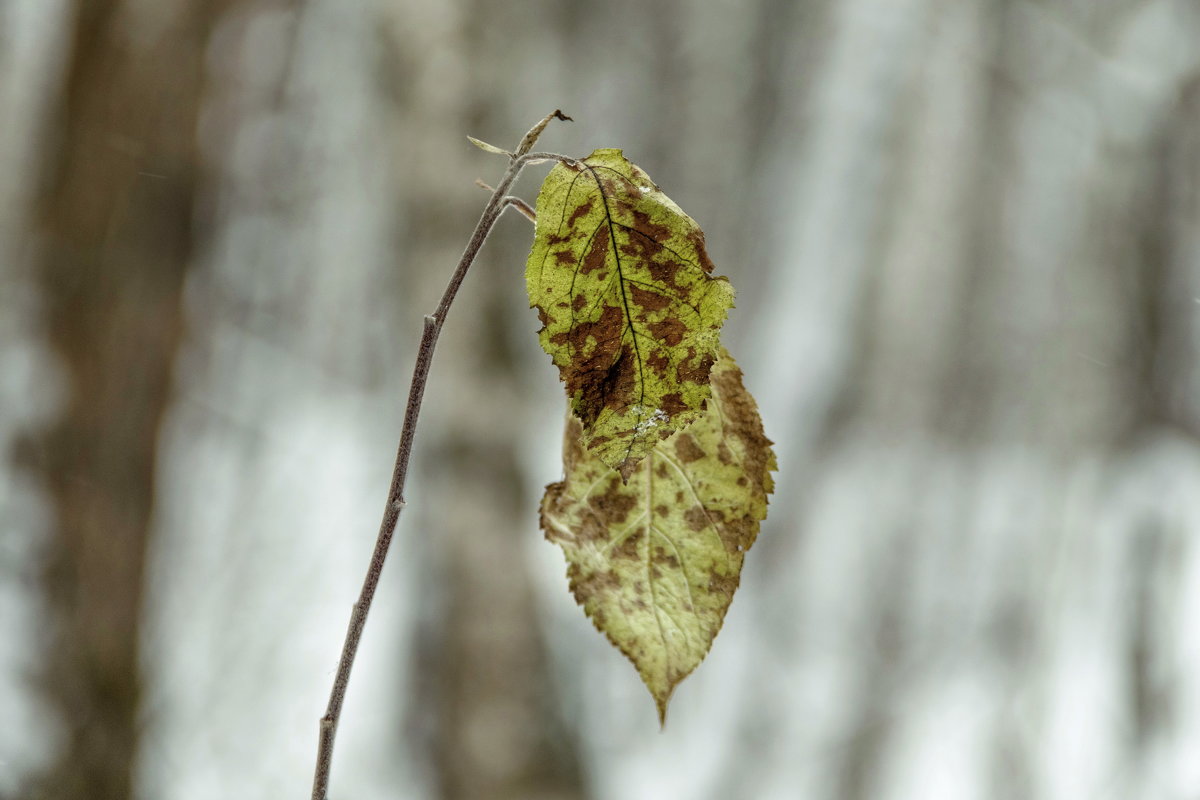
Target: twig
pixel 520 205
pixel 395 502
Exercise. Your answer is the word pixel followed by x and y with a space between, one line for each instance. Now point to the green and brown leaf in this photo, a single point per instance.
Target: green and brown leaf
pixel 631 313
pixel 655 561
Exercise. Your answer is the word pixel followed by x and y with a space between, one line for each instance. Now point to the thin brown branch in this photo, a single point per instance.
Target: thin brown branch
pixel 395 500
pixel 520 205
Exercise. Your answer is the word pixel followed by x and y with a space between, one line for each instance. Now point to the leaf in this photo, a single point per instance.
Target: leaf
pixel 631 314
pixel 655 561
pixel 488 148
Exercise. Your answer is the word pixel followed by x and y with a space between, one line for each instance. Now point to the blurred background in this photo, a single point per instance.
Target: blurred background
pixel 965 236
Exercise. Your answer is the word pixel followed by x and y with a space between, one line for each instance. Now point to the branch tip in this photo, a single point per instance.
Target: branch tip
pixel 531 138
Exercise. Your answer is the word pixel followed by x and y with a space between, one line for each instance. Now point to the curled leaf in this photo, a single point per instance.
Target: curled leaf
pixel 631 313
pixel 655 561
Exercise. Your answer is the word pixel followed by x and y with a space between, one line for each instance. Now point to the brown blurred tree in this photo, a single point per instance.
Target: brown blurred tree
pixel 116 240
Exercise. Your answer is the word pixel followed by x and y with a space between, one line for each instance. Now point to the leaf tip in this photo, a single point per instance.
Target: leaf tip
pixel 662 693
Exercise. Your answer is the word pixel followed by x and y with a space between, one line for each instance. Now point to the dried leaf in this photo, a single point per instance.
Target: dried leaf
pixel 630 310
pixel 655 561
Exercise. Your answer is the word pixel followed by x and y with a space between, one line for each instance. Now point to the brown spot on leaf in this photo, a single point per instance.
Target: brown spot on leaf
pixel 609 186
pixel 687 449
pixel 639 247
pixel 579 302
pixel 696 518
pixel 698 373
pixel 724 584
pixel 565 258
pixel 669 331
pixel 658 362
pixel 661 556
pixel 591 529
pixel 651 301
pixel 737 534
pixel 586 586
pixel 597 254
pixel 672 404
pixel 603 372
pixel 581 210
pixel 664 271
pixel 644 224
pixel 743 423
pixel 613 505
pixel 723 454
pixel 695 238
pixel 628 548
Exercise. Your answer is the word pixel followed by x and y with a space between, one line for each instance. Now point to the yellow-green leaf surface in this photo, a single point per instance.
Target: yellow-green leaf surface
pixel 630 309
pixel 655 561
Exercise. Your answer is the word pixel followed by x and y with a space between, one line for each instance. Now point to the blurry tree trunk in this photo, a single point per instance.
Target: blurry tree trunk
pixel 116 241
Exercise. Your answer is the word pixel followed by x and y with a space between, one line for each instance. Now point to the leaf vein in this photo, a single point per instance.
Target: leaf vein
pixel 695 496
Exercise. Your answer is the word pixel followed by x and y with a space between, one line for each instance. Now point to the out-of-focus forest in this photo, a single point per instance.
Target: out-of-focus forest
pixel 966 241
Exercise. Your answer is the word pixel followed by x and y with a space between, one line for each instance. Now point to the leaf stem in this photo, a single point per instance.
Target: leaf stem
pixel 395 499
pixel 533 158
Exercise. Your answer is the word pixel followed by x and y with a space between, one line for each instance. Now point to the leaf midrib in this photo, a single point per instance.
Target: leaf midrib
pixel 612 242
